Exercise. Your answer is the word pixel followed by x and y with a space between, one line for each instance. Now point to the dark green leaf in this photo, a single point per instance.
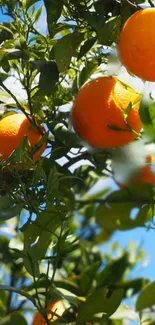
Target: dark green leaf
pixel 86 47
pixel 67 138
pixel 5 32
pixel 66 48
pixel 116 215
pixel 49 75
pixel 37 237
pixel 147 115
pixel 110 31
pixel 61 96
pixel 87 71
pixel 114 271
pixel 14 319
pixel 135 285
pixel 53 9
pixel 29 3
pixel 99 302
pixel 87 277
pixel 8 209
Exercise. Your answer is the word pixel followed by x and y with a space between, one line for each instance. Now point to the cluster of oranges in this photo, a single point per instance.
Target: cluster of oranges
pixel 105 113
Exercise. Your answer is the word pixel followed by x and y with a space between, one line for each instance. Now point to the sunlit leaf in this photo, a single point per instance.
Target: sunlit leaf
pixel 99 302
pixel 146 299
pixel 126 312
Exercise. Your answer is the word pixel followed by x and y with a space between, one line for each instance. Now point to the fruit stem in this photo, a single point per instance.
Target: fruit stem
pixel 133 4
pixel 151 3
pixel 15 99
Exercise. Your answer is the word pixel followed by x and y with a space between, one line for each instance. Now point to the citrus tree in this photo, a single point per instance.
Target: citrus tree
pixel 58 160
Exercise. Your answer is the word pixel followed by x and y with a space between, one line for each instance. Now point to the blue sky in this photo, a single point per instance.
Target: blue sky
pixel 142 236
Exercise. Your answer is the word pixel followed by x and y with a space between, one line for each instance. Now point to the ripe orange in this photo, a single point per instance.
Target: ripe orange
pixel 12 130
pixel 136 44
pixel 146 174
pixel 57 307
pixel 98 113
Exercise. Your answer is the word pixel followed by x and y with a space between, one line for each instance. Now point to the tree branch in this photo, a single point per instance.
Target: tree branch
pixel 151 3
pixel 142 200
pixel 15 99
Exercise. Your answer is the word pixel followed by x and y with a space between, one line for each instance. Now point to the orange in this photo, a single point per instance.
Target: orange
pixel 146 174
pixel 12 130
pixel 98 113
pixel 136 44
pixel 57 307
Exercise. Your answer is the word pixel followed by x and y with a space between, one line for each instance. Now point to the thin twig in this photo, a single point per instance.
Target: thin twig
pixel 132 4
pixel 84 155
pixel 16 100
pixel 151 3
pixel 12 281
pixel 142 200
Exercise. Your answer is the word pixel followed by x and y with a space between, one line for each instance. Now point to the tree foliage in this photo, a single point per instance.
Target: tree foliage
pixel 55 223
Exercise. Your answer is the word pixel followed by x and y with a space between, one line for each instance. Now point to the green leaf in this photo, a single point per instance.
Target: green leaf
pixel 117 214
pixel 53 9
pixel 126 312
pixel 92 19
pixel 3 76
pixel 68 285
pixel 14 318
pixel 6 98
pixel 5 32
pixel 66 48
pixel 147 115
pixel 69 139
pixel 99 302
pixel 87 277
pixel 8 209
pixel 38 13
pixel 53 182
pixel 135 285
pixel 37 237
pixel 3 303
pixel 49 75
pixel 61 96
pixel 113 272
pixel 146 299
pixel 29 3
pixel 84 75
pixel 110 31
pixel 18 291
pixel 87 71
pixel 86 47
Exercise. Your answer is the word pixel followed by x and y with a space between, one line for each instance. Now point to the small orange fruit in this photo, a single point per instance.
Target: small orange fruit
pixel 101 115
pixel 146 174
pixel 12 130
pixel 57 307
pixel 136 44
